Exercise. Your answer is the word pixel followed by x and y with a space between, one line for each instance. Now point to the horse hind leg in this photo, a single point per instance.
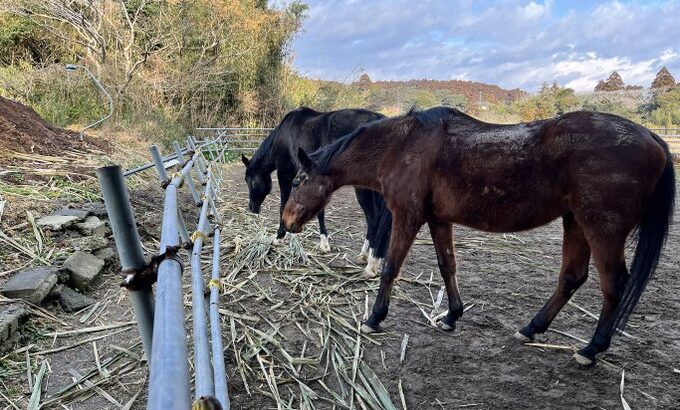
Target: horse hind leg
pixel 574 272
pixel 442 236
pixel 608 256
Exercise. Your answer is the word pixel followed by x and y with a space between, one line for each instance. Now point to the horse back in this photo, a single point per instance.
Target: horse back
pixel 515 177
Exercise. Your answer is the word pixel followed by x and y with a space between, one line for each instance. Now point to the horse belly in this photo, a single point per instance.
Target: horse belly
pixel 494 209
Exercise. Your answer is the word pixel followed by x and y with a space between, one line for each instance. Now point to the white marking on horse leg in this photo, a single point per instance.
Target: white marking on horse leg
pixel 372 268
pixel 582 360
pixel 364 251
pixel 278 241
pixel 377 263
pixel 522 338
pixel 324 246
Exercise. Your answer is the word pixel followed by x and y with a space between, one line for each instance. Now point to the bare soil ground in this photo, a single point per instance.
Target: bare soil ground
pixel 504 280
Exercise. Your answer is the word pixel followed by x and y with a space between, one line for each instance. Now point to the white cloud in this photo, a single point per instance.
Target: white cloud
pixel 510 42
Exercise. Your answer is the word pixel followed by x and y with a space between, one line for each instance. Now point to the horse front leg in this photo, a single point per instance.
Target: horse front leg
pixel 442 236
pixel 401 240
pixel 365 200
pixel 324 246
pixel 285 185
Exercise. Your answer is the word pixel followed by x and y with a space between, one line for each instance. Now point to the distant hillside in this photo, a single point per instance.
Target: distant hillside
pixel 472 90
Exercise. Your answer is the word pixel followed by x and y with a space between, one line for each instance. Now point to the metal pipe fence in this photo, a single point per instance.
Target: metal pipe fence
pixel 161 321
pixel 237 139
pixel 161 324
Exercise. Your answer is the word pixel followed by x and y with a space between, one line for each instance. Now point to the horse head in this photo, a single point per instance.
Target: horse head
pixel 259 184
pixel 311 192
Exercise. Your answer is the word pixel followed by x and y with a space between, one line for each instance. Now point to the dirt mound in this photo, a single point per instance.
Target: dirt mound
pixel 22 130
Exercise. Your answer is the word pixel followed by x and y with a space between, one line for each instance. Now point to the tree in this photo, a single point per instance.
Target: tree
pixel 667 108
pixel 613 83
pixel 364 80
pixel 664 79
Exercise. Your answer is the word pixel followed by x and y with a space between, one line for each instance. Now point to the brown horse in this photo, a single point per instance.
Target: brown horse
pixel 604 175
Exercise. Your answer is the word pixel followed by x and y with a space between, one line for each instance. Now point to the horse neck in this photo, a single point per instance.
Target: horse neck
pixel 358 164
pixel 264 164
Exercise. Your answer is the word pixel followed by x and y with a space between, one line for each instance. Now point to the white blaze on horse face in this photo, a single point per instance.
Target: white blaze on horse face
pixel 324 246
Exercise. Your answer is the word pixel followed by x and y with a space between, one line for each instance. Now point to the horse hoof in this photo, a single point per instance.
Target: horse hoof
pixel 445 327
pixel 582 360
pixel 369 273
pixel 324 246
pixel 277 241
pixel 367 330
pixel 522 338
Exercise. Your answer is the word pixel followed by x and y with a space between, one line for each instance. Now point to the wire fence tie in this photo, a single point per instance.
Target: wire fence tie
pixel 198 234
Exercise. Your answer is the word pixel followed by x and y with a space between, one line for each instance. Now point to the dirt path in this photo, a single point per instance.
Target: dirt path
pixel 504 280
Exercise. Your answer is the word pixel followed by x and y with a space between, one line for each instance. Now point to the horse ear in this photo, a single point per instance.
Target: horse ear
pixel 305 161
pixel 245 160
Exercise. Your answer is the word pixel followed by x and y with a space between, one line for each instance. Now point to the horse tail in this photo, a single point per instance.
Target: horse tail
pixel 651 235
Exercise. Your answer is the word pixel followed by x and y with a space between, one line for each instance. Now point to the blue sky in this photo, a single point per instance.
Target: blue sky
pixel 511 43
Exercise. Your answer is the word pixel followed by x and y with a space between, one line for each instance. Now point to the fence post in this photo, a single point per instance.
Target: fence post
pixel 200 170
pixel 190 181
pixel 163 175
pixel 129 246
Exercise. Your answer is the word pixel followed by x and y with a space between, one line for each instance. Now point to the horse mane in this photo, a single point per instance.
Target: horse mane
pixel 428 118
pixel 325 155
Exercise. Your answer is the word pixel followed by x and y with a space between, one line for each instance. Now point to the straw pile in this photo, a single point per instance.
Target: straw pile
pixel 292 322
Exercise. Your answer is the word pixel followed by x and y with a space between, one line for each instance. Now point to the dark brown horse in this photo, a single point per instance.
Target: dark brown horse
pixel 604 175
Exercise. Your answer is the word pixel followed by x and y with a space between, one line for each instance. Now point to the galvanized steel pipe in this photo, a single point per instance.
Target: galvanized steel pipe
pixel 169 384
pixel 130 253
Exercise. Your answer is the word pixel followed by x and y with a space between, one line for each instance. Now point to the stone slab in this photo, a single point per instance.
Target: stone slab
pixel 31 285
pixel 84 268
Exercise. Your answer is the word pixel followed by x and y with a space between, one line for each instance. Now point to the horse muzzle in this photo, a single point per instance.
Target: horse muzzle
pixel 294 228
pixel 291 218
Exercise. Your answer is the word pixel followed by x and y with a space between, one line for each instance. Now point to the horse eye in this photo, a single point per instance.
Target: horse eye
pixel 299 180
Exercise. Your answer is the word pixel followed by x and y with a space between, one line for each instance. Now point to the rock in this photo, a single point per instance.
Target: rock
pixel 78 213
pixel 88 243
pixel 71 301
pixel 84 268
pixel 107 254
pixel 92 226
pixel 56 222
pixel 31 285
pixel 95 208
pixel 12 315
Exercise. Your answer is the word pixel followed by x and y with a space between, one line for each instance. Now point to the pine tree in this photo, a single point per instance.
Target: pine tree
pixel 613 83
pixel 664 79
